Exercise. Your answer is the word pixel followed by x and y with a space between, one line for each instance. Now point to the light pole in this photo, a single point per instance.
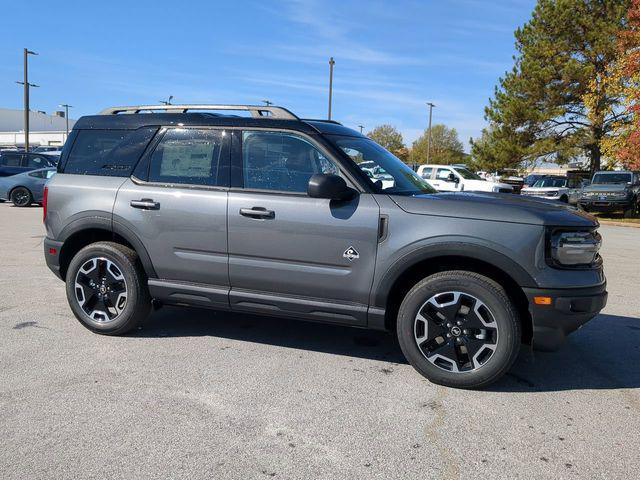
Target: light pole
pixel 166 102
pixel 361 127
pixel 66 107
pixel 268 103
pixel 331 64
pixel 431 105
pixel 26 85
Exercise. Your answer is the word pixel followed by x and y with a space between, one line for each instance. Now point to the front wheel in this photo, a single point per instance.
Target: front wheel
pixel 632 211
pixel 21 197
pixel 459 329
pixel 106 288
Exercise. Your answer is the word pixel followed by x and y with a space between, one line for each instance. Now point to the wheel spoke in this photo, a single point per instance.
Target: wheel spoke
pixel 456 331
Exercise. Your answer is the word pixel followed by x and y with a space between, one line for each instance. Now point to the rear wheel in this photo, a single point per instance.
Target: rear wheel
pixel 564 199
pixel 21 197
pixel 459 329
pixel 106 288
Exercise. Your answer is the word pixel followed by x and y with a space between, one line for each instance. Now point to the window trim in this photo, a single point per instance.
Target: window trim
pixel 237 162
pixel 153 145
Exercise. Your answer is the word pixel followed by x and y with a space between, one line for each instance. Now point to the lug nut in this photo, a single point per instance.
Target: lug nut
pixel 448 335
pixel 465 331
pixel 448 325
pixel 459 322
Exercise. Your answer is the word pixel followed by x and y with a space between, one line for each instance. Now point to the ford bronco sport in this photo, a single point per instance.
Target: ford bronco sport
pixel 271 214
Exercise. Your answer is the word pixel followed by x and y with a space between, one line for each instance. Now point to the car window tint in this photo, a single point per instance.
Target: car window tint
pixel 188 156
pixel 281 161
pixel 443 173
pixel 10 160
pixel 34 161
pixel 107 152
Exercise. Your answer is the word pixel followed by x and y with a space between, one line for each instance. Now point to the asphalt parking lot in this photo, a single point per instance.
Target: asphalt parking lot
pixel 196 394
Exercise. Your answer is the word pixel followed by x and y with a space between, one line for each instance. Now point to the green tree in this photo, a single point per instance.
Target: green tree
pixel 564 55
pixel 388 137
pixel 446 147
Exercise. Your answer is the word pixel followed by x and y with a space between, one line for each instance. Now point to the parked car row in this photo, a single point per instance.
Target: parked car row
pixel 25 188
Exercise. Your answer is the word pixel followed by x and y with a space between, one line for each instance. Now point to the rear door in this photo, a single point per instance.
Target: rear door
pixel 290 253
pixel 176 203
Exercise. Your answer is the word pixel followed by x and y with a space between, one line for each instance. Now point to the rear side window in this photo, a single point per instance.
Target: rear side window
pixel 35 161
pixel 190 156
pixel 107 152
pixel 10 160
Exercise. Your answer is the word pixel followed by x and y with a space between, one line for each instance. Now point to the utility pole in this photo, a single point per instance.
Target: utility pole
pixel 331 64
pixel 268 103
pixel 26 85
pixel 431 105
pixel 166 102
pixel 66 115
pixel 361 128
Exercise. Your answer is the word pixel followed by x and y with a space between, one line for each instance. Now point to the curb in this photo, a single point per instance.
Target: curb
pixel 619 224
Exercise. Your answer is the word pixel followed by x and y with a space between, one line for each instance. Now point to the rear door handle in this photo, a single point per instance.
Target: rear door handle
pixel 257 212
pixel 145 204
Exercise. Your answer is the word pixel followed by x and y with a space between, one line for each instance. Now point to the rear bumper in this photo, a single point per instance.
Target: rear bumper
pixel 570 309
pixel 52 256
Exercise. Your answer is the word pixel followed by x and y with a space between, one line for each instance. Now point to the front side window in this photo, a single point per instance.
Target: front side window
pixel 36 162
pixel 189 156
pixel 443 174
pixel 281 161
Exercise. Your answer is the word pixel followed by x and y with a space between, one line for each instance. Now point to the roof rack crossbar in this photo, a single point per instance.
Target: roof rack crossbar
pixel 257 111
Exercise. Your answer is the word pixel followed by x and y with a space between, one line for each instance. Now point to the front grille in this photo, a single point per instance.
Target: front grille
pixel 505 190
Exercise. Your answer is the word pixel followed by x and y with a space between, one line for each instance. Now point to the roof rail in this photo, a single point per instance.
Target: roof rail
pixel 257 111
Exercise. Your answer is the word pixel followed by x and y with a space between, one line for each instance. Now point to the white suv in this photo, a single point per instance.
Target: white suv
pixel 455 178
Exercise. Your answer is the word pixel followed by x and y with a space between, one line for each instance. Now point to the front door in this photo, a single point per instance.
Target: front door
pixel 289 253
pixel 179 210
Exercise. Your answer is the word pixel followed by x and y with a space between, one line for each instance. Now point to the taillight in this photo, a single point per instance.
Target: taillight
pixel 45 196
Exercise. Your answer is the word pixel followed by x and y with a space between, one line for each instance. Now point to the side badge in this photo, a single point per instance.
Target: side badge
pixel 351 254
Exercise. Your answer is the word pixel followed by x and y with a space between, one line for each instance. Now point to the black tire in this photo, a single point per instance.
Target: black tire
pixel 21 197
pixel 96 313
pixel 564 199
pixel 506 330
pixel 632 211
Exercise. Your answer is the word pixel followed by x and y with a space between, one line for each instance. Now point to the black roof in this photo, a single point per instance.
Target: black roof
pixel 134 121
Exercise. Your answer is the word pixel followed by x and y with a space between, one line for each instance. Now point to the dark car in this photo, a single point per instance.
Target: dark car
pixel 612 192
pixel 13 163
pixel 274 215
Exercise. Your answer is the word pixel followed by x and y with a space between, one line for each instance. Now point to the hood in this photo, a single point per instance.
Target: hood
pixel 542 189
pixel 496 207
pixel 606 187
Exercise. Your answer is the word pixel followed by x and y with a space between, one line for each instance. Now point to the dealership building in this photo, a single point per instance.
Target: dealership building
pixel 44 129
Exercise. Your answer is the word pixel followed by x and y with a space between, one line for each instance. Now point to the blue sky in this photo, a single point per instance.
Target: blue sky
pixel 391 56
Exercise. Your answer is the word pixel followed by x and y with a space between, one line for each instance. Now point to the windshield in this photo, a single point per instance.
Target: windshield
pixel 550 182
pixel 466 174
pixel 612 178
pixel 388 174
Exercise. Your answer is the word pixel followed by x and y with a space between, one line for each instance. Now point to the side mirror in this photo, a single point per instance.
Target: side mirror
pixel 453 178
pixel 329 186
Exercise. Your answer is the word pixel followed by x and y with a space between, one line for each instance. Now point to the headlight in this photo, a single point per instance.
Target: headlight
pixel 575 249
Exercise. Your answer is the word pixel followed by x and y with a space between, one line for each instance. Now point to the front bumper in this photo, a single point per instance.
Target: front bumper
pixel 52 256
pixel 569 310
pixel 593 205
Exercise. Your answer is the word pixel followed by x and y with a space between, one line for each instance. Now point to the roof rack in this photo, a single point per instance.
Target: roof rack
pixel 257 111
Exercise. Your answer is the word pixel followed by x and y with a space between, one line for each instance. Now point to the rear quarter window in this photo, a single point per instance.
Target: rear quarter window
pixel 111 153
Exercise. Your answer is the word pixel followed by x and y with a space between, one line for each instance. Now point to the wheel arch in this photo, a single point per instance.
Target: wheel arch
pixel 399 280
pixel 18 186
pixel 88 231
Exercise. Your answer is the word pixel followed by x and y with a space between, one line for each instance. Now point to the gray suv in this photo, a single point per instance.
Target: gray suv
pixel 271 214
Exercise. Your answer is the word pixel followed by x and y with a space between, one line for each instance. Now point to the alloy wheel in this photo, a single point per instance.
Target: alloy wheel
pixel 456 331
pixel 101 289
pixel 20 197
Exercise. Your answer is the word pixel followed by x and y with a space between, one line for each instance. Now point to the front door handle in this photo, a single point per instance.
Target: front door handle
pixel 257 212
pixel 145 204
